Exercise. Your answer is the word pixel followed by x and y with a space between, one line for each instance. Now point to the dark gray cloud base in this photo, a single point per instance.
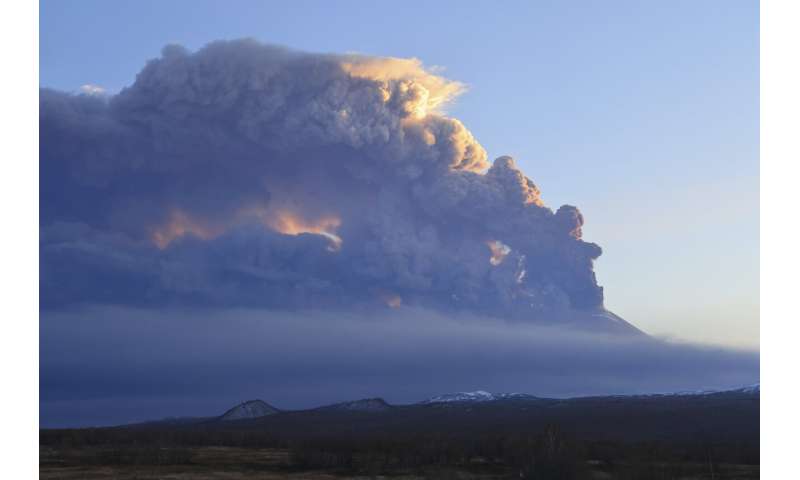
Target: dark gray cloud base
pixel 116 364
pixel 250 175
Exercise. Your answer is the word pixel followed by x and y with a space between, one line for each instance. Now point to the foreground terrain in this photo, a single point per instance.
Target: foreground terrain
pixel 207 463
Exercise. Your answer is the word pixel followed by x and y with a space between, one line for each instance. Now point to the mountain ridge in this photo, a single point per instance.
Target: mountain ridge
pixel 375 404
pixel 248 409
pixel 480 396
pixel 258 409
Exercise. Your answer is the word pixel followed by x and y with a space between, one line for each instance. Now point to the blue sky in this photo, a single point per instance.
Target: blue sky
pixel 642 114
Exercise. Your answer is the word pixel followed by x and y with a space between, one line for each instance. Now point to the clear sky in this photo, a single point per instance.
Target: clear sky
pixel 643 114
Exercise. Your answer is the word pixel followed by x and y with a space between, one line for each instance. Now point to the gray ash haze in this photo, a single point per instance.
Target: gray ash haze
pixel 305 228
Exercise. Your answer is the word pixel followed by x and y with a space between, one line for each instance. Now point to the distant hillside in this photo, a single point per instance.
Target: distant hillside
pixel 363 405
pixel 249 410
pixel 690 415
pixel 731 414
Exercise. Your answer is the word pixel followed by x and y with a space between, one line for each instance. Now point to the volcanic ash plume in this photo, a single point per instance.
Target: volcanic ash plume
pixel 250 175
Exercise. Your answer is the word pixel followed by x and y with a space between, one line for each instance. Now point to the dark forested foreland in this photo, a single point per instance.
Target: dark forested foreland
pixel 658 436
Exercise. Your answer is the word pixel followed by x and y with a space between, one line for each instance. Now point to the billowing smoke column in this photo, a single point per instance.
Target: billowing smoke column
pixel 251 175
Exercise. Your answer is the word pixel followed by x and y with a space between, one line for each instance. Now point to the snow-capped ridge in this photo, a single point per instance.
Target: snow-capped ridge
pixel 754 389
pixel 476 396
pixel 479 396
pixel 749 389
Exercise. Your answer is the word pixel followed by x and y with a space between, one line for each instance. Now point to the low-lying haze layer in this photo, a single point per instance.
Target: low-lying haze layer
pixel 112 365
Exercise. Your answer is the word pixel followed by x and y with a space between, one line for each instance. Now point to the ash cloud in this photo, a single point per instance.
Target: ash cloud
pixel 111 365
pixel 245 174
